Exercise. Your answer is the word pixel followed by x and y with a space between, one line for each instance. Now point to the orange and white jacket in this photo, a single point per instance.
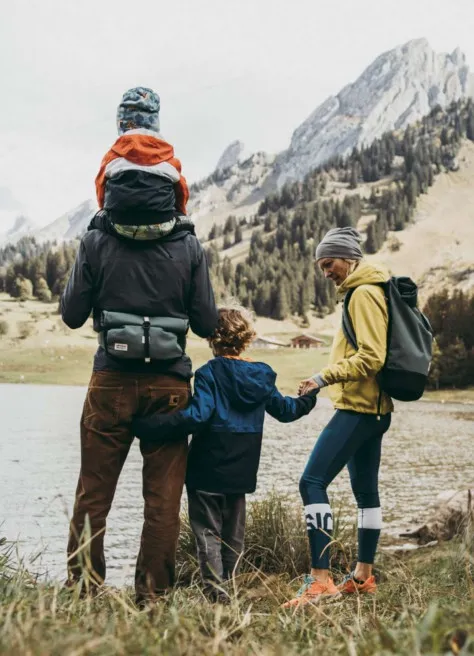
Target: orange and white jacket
pixel 143 150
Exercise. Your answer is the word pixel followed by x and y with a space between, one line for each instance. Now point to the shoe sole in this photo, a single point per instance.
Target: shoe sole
pixel 314 602
pixel 358 592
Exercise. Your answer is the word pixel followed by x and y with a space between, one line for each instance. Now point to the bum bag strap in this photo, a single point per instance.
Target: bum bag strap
pixel 146 338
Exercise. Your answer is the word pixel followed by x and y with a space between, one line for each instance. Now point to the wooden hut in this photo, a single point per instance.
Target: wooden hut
pixel 261 342
pixel 306 341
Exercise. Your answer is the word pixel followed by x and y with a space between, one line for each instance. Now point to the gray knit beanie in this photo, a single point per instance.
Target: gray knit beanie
pixel 340 242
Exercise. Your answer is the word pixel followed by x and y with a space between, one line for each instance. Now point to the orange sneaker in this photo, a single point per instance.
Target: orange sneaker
pixel 312 592
pixel 350 586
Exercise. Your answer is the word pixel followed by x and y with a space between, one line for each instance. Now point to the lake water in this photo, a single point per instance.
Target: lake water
pixel 428 449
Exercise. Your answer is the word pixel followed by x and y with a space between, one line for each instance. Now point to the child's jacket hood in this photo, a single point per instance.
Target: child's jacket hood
pixel 142 149
pixel 146 153
pixel 244 383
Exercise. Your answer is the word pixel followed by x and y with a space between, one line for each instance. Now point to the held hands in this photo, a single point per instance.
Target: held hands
pixel 140 427
pixel 146 428
pixel 307 386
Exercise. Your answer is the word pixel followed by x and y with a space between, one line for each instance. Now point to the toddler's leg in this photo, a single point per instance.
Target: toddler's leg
pixel 205 517
pixel 233 532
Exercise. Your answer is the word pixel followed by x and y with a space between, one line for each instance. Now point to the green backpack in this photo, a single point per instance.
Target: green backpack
pixel 409 340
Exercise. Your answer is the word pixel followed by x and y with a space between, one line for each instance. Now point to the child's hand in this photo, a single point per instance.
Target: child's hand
pixel 307 386
pixel 145 427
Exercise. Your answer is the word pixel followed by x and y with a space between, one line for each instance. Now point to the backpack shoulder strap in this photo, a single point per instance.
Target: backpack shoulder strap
pixel 347 325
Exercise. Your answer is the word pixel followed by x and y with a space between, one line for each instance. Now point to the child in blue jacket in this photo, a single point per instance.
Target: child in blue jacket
pixel 225 417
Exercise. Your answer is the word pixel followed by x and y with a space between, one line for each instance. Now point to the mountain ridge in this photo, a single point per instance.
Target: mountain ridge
pixel 399 87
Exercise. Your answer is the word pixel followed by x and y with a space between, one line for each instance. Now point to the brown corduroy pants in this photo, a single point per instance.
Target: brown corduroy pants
pixel 113 398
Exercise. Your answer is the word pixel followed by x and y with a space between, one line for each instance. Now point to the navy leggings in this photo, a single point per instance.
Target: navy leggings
pixel 355 440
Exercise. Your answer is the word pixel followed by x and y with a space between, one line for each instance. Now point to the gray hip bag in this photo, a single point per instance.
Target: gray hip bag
pixel 133 337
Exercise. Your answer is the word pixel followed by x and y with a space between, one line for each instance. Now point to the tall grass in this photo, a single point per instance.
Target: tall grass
pixel 275 541
pixel 425 604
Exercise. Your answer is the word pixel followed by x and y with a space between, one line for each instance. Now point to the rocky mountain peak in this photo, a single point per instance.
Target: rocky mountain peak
pixel 21 227
pixel 20 222
pixel 70 225
pixel 397 89
pixel 232 155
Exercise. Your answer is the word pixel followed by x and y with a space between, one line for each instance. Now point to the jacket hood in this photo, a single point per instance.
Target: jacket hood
pixel 101 221
pixel 365 274
pixel 139 147
pixel 246 384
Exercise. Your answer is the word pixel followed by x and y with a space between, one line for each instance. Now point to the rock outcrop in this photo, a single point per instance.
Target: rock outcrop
pixel 450 516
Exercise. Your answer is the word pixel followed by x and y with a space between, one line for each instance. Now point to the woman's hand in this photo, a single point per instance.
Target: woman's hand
pixel 307 385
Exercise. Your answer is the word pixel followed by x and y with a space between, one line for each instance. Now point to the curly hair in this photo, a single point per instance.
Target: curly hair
pixel 234 332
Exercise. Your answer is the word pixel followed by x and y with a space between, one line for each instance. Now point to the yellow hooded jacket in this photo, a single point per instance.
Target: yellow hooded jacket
pixel 351 374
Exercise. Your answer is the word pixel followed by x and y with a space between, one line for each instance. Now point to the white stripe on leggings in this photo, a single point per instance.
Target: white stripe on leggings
pixel 318 516
pixel 370 518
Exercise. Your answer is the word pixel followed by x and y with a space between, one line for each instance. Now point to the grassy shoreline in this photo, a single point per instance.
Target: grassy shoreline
pixel 72 365
pixel 424 604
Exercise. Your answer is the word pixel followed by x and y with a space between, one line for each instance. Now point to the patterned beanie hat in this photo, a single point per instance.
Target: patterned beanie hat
pixel 140 108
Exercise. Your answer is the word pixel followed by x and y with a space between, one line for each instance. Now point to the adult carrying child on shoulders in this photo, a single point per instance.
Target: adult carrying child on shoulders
pixel 143 274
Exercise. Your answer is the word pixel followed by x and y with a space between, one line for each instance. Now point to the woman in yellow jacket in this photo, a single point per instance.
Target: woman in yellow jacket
pixel 353 437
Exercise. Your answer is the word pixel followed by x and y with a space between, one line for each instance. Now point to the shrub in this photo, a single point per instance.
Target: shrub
pixel 25 329
pixel 43 293
pixel 24 288
pixel 394 244
pixel 63 329
pixel 4 328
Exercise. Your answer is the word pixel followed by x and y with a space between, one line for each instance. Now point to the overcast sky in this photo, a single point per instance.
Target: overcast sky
pixel 225 69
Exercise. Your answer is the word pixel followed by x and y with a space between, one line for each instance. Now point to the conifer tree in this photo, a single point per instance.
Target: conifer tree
pixel 238 236
pixel 282 308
